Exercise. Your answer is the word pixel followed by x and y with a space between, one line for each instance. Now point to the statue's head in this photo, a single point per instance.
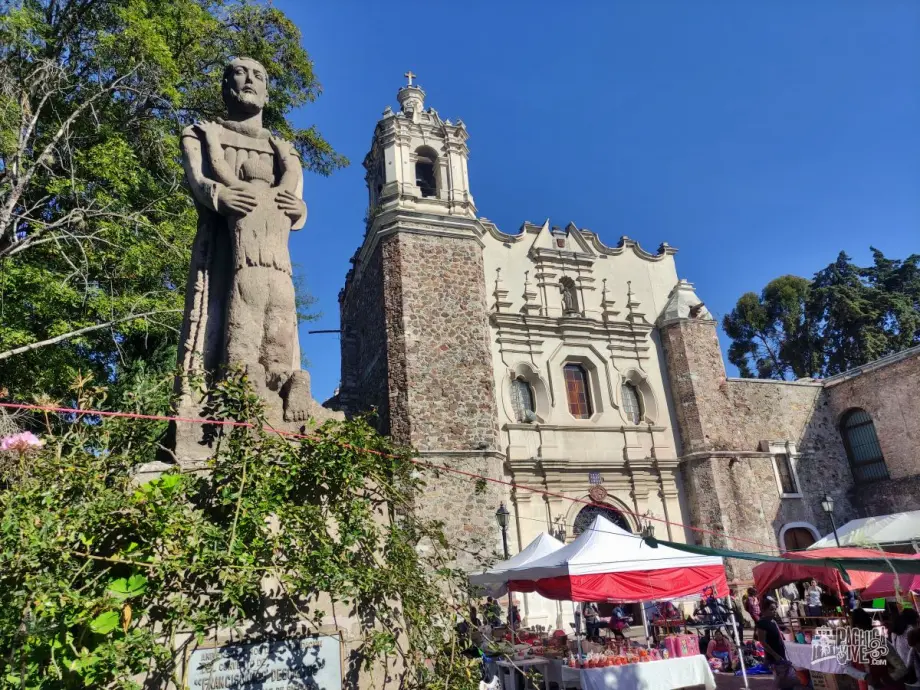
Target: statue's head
pixel 245 86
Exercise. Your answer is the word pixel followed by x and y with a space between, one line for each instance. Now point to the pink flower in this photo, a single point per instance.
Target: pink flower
pixel 21 442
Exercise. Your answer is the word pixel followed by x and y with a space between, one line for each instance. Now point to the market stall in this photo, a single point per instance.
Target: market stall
pixel 493 582
pixel 607 564
pixel 673 673
pixel 776 573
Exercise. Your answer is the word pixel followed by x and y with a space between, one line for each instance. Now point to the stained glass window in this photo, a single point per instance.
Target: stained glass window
pixel 632 407
pixel 576 390
pixel 587 514
pixel 863 448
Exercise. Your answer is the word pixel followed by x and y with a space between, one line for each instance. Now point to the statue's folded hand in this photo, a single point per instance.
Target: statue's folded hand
pixel 235 201
pixel 290 204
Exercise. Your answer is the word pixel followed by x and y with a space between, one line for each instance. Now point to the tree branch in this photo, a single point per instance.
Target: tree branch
pixel 81 331
pixel 18 189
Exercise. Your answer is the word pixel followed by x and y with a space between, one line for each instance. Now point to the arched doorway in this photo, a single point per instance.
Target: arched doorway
pixel 587 514
pixel 798 538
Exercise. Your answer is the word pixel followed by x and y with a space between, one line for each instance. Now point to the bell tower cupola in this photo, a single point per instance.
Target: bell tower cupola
pixel 418 161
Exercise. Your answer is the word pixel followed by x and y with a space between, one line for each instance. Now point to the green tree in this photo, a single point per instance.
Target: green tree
pixel 846 316
pixel 772 333
pixel 95 223
pixel 103 576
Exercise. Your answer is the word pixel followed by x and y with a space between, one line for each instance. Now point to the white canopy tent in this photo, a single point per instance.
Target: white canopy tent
pixel 493 582
pixel 897 528
pixel 607 563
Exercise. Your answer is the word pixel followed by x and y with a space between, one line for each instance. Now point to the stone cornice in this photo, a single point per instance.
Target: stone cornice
pixel 704 454
pixel 462 453
pixel 536 426
pixel 592 239
pixel 570 325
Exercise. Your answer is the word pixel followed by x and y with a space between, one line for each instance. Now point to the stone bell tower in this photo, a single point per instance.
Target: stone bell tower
pixel 415 334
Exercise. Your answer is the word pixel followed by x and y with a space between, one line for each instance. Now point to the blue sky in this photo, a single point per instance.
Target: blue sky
pixel 759 137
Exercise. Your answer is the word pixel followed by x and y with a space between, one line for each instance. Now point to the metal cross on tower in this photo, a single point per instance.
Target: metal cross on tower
pixel 410 76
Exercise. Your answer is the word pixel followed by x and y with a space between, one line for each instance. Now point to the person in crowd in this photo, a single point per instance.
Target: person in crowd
pixel 790 592
pixel 813 599
pixel 720 648
pixel 474 617
pixel 905 622
pixel 886 672
pixel 913 659
pixel 752 605
pixel 493 612
pixel 852 600
pixel 619 621
pixel 515 617
pixel 592 619
pixel 771 637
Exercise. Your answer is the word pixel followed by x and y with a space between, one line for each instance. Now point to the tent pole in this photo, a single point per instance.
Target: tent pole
pixel 645 626
pixel 732 622
pixel 581 651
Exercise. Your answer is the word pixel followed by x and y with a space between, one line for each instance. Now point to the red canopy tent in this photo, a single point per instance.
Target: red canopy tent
pixel 770 575
pixel 884 585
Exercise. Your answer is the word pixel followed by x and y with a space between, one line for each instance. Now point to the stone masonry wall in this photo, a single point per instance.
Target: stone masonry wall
pixel 438 344
pixel 465 506
pixel 890 393
pixel 731 485
pixel 364 356
pixel 418 349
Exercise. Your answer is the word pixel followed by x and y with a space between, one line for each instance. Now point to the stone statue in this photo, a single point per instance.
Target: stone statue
pixel 240 302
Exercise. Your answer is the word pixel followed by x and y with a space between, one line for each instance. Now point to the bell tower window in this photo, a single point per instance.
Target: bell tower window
pixel 426 172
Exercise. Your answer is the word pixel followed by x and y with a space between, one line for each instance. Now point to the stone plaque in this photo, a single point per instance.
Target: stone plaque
pixel 302 662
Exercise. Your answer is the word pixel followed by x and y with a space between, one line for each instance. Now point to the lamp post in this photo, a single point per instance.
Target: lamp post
pixel 502 515
pixel 827 505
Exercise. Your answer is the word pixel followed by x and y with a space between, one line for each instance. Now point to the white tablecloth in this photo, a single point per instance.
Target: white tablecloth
pixel 801 656
pixel 649 675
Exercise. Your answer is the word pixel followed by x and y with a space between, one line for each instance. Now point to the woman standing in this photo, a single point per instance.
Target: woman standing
pixel 813 600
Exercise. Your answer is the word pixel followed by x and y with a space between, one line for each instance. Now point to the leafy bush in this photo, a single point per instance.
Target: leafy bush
pixel 103 575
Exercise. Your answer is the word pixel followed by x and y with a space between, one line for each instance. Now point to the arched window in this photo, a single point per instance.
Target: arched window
pixel 587 514
pixel 522 400
pixel 862 446
pixel 569 296
pixel 632 403
pixel 576 390
pixel 425 173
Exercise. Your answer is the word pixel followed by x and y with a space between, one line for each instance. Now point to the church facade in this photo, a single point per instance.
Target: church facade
pixel 590 373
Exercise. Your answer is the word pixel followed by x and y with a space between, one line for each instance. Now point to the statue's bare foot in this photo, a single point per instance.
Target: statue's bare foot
pixel 298 402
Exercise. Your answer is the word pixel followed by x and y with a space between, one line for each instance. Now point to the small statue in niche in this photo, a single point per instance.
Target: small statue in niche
pixel 569 296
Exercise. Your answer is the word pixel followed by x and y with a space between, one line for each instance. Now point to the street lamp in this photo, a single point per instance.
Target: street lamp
pixel 502 516
pixel 827 505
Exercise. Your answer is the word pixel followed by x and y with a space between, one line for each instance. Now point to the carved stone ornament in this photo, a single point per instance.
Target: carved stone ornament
pixel 597 493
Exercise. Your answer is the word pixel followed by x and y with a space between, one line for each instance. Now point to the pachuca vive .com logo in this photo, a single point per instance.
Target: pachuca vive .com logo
pixel 865 647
